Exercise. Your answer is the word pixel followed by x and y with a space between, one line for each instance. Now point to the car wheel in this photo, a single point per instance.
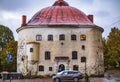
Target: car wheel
pixel 76 79
pixel 57 80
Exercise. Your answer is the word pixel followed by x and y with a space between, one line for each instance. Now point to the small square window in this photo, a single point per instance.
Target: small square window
pixel 31 49
pixel 82 37
pixel 75 67
pixel 62 37
pixel 50 37
pixel 50 68
pixel 38 37
pixel 41 68
pixel 73 37
pixel 83 59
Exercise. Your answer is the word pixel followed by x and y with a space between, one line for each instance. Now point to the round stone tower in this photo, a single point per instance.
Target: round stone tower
pixel 57 38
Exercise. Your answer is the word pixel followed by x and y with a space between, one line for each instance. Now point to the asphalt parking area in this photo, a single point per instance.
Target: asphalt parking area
pixel 50 80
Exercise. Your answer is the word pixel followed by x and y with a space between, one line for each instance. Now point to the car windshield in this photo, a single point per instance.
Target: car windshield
pixel 68 72
pixel 60 73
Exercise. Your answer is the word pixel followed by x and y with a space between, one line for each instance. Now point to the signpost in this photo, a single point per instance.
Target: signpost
pixel 10 59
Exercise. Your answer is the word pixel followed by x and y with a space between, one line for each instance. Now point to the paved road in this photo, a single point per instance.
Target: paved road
pixel 50 80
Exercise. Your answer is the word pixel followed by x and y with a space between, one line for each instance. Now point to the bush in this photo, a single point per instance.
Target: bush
pixel 47 76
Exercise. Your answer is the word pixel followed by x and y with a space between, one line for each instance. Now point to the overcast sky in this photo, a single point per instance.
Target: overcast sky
pixel 106 12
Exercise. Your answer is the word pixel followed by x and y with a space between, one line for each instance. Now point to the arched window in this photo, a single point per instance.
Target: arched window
pixel 75 67
pixel 74 55
pixel 73 37
pixel 62 37
pixel 50 37
pixel 41 68
pixel 82 37
pixel 47 55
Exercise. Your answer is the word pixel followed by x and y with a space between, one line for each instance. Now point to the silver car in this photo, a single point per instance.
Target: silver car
pixel 67 75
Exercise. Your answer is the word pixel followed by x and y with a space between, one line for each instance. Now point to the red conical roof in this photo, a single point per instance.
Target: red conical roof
pixel 60 14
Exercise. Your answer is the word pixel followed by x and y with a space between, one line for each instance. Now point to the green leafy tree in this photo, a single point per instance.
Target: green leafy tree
pixel 112 48
pixel 11 49
pixel 6 35
pixel 105 52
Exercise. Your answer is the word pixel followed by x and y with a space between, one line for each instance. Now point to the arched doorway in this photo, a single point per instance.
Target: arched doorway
pixel 61 68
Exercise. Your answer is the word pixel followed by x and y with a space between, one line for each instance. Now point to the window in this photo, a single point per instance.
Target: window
pixel 75 67
pixel 83 59
pixel 41 68
pixel 83 47
pixel 31 49
pixel 73 37
pixel 62 37
pixel 50 37
pixel 47 55
pixel 50 68
pixel 70 72
pixel 74 55
pixel 82 37
pixel 38 37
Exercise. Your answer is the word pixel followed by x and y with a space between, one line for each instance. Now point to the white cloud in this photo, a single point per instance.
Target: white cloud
pixel 10 15
pixel 105 12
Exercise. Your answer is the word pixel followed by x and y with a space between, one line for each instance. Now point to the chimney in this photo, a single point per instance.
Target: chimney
pixel 91 18
pixel 24 20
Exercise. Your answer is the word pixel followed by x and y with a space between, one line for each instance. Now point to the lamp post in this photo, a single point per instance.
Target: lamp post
pixel 83 59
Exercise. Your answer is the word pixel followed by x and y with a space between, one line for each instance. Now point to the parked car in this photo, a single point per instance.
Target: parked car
pixel 115 76
pixel 112 76
pixel 67 75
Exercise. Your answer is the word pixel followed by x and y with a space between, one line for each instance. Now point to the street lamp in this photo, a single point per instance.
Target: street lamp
pixel 83 59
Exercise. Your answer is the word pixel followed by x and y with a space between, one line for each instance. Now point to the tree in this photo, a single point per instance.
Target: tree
pixel 11 49
pixel 6 35
pixel 112 48
pixel 105 52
